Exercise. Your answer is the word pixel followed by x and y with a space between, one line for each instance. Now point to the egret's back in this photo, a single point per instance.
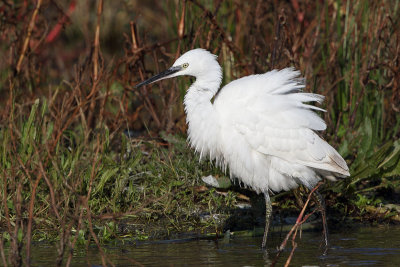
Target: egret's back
pixel 267 136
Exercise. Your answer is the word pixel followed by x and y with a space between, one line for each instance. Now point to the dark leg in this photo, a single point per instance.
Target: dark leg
pixel 268 213
pixel 322 207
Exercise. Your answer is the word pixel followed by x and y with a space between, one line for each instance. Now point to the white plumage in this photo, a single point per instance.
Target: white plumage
pixel 258 127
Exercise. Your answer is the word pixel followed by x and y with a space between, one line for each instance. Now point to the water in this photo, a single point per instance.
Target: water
pixel 379 246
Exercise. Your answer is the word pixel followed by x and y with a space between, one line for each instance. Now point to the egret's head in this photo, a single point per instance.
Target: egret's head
pixel 197 62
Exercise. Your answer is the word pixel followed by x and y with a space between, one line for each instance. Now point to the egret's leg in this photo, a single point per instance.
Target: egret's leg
pixel 322 207
pixel 268 213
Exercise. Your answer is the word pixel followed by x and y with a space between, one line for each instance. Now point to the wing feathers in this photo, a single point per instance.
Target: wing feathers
pixel 270 112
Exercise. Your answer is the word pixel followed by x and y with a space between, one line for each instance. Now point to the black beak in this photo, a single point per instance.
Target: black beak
pixel 160 76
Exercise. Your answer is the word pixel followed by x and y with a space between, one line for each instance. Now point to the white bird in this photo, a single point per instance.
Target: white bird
pixel 257 127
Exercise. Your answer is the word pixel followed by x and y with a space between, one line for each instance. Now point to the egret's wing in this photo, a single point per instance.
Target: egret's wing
pixel 269 111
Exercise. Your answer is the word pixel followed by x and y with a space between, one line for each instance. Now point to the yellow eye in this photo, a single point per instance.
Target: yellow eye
pixel 185 65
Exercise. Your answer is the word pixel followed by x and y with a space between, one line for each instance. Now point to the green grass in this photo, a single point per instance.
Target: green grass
pixel 148 182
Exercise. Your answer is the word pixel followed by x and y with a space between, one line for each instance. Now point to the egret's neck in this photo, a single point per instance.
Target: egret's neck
pixel 201 117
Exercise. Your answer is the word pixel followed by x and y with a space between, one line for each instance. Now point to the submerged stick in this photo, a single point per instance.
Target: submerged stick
pixel 293 232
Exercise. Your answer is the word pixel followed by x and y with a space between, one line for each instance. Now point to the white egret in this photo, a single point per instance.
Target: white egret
pixel 257 127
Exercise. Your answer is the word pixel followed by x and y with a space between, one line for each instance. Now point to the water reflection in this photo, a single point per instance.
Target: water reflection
pixel 356 247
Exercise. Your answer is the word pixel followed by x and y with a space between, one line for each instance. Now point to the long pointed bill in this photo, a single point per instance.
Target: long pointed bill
pixel 160 76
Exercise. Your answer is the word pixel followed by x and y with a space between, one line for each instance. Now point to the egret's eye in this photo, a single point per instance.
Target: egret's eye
pixel 185 65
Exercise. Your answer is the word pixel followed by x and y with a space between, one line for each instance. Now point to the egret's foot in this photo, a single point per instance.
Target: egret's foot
pixel 268 213
pixel 322 208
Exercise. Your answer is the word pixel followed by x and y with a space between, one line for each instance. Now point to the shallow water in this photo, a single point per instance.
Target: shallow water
pixel 366 246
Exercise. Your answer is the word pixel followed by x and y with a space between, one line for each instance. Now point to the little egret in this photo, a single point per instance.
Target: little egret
pixel 258 127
